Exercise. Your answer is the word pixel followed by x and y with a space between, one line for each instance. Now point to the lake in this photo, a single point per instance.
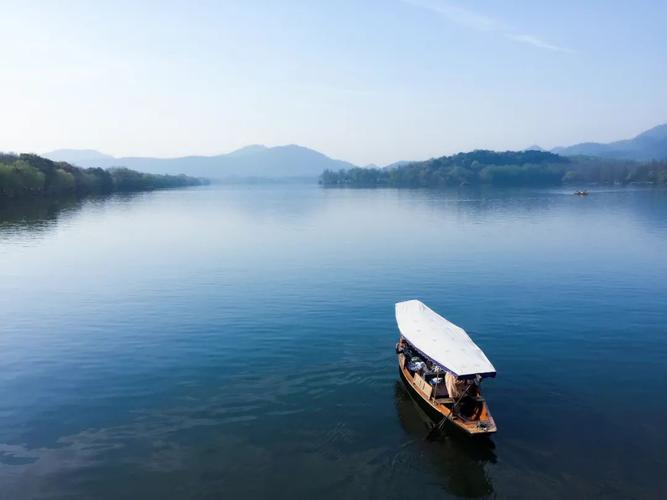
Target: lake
pixel 238 341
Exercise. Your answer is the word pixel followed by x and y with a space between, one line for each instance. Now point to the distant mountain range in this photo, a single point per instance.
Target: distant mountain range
pixel 649 145
pixel 248 162
pixel 259 161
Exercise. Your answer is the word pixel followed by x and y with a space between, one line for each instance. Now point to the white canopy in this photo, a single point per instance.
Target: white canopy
pixel 443 342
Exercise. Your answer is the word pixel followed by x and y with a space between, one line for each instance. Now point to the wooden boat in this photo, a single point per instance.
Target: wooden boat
pixel 442 369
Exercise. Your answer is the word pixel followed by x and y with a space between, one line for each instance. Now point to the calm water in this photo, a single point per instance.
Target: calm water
pixel 239 340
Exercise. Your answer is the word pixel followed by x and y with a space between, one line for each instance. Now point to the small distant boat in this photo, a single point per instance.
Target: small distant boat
pixel 442 369
pixel 581 193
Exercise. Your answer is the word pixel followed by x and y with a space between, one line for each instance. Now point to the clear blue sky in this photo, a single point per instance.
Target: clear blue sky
pixel 365 81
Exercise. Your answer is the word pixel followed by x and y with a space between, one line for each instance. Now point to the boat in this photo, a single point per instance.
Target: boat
pixel 581 193
pixel 442 369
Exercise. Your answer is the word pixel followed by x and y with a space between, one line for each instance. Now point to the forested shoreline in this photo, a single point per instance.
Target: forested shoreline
pixel 28 176
pixel 509 168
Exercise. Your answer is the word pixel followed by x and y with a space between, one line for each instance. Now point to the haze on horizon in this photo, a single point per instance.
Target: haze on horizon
pixel 368 83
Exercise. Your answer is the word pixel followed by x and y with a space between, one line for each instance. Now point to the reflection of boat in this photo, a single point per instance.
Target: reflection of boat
pixel 581 193
pixel 459 463
pixel 443 368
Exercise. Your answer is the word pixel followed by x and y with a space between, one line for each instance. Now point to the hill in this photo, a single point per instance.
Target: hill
pixel 28 176
pixel 649 145
pixel 250 161
pixel 509 168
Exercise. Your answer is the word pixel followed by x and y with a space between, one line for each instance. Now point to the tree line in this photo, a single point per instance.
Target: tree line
pixel 29 175
pixel 508 168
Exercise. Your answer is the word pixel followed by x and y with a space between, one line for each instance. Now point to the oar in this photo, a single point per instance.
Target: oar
pixel 437 428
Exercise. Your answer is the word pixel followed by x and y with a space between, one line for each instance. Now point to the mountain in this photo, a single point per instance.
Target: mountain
pixel 250 161
pixel 649 145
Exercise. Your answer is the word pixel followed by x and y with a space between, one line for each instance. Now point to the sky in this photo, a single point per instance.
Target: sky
pixel 363 81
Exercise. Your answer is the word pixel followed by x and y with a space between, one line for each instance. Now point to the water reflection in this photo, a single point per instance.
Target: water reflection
pixel 36 215
pixel 460 461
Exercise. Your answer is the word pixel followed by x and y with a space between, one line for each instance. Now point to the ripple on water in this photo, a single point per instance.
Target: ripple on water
pixel 240 341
